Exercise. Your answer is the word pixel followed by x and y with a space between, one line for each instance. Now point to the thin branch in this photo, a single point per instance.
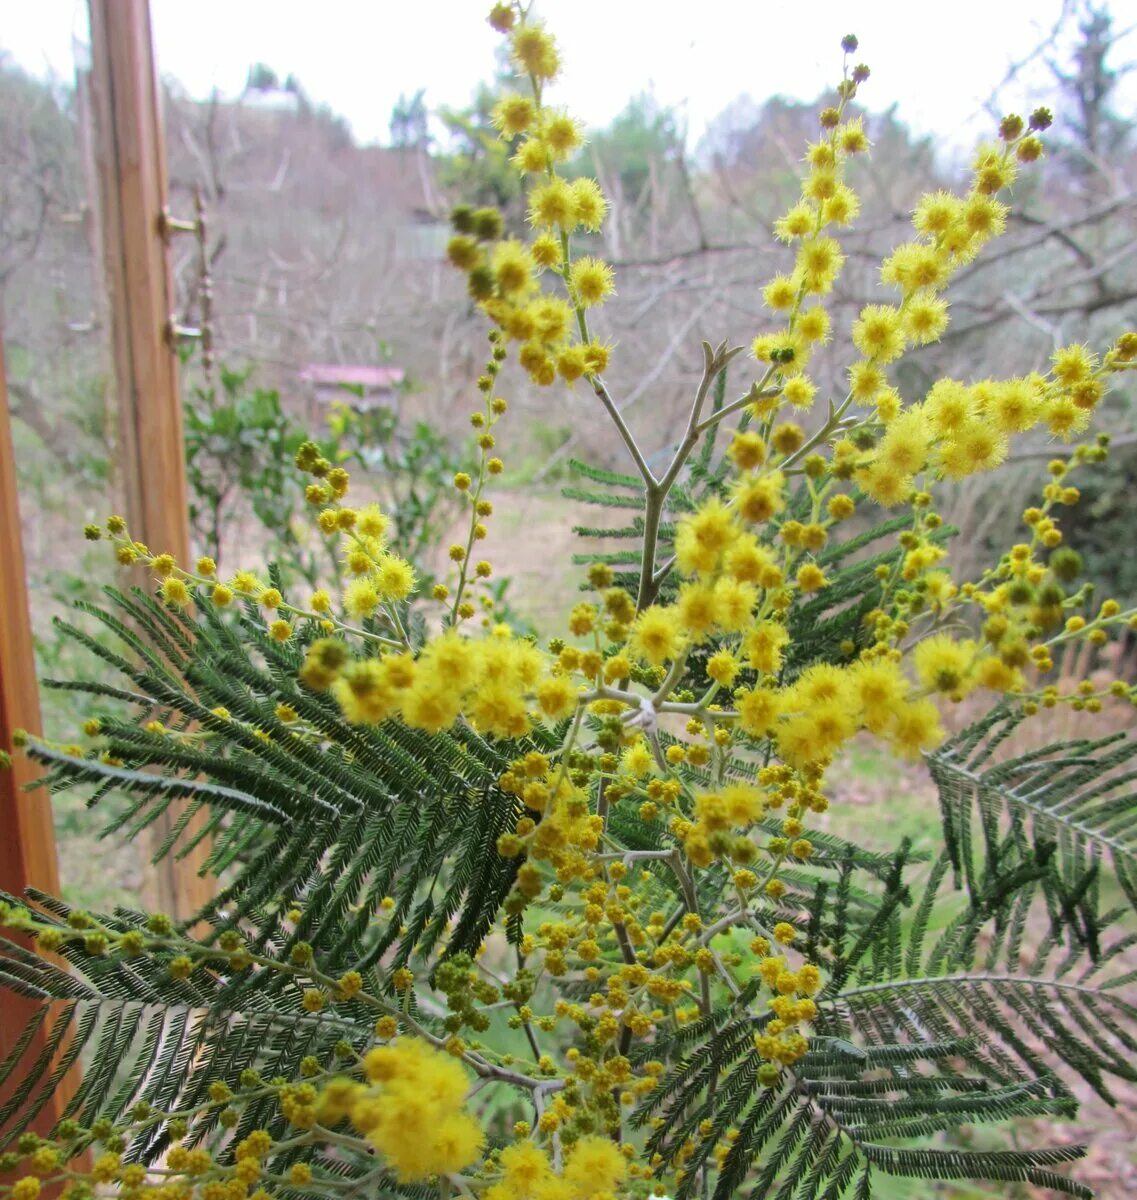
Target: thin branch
pixel 622 428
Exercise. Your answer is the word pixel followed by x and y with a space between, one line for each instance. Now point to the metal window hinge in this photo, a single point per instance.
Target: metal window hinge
pixel 176 332
pixel 168 225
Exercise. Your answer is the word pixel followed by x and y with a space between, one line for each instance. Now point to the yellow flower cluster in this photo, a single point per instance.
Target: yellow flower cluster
pixel 594 1169
pixel 409 1107
pixel 781 1040
pixel 500 684
pixel 827 202
pixel 504 274
pixel 960 429
pixel 412 1109
pixel 717 816
pixel 669 700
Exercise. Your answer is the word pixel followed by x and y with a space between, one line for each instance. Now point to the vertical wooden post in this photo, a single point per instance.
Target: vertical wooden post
pixel 27 839
pixel 131 158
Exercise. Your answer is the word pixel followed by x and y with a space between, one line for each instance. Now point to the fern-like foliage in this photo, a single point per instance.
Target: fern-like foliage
pixel 915 1037
pixel 970 989
pixel 139 1032
pixel 338 819
pixel 1072 805
pixel 333 823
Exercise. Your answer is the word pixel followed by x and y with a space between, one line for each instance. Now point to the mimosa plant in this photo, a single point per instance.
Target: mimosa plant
pixel 513 918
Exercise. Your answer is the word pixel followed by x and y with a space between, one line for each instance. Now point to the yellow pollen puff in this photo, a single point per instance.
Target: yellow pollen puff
pixel 562 135
pixel 361 598
pixel 175 593
pixel 514 115
pixel 866 380
pixel 759 497
pixel 780 293
pixel 840 507
pixel 798 222
pixel 811 578
pixel 552 204
pixel 747 450
pixel 532 156
pixel 877 333
pixel 591 281
pixel 936 213
pixel 535 51
pixel 851 137
pixel 589 204
pixel 819 262
pixel 799 391
pixel 925 319
pixel 842 207
pixel 546 250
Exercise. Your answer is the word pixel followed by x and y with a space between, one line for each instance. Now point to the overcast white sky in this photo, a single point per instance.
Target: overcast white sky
pixel 937 62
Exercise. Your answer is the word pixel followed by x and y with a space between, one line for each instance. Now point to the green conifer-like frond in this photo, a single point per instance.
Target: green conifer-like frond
pixel 1046 1012
pixel 826 625
pixel 933 1016
pixel 604 477
pixel 1063 809
pixel 332 824
pixel 339 819
pixel 941 1006
pixel 139 1031
pixel 848 1108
